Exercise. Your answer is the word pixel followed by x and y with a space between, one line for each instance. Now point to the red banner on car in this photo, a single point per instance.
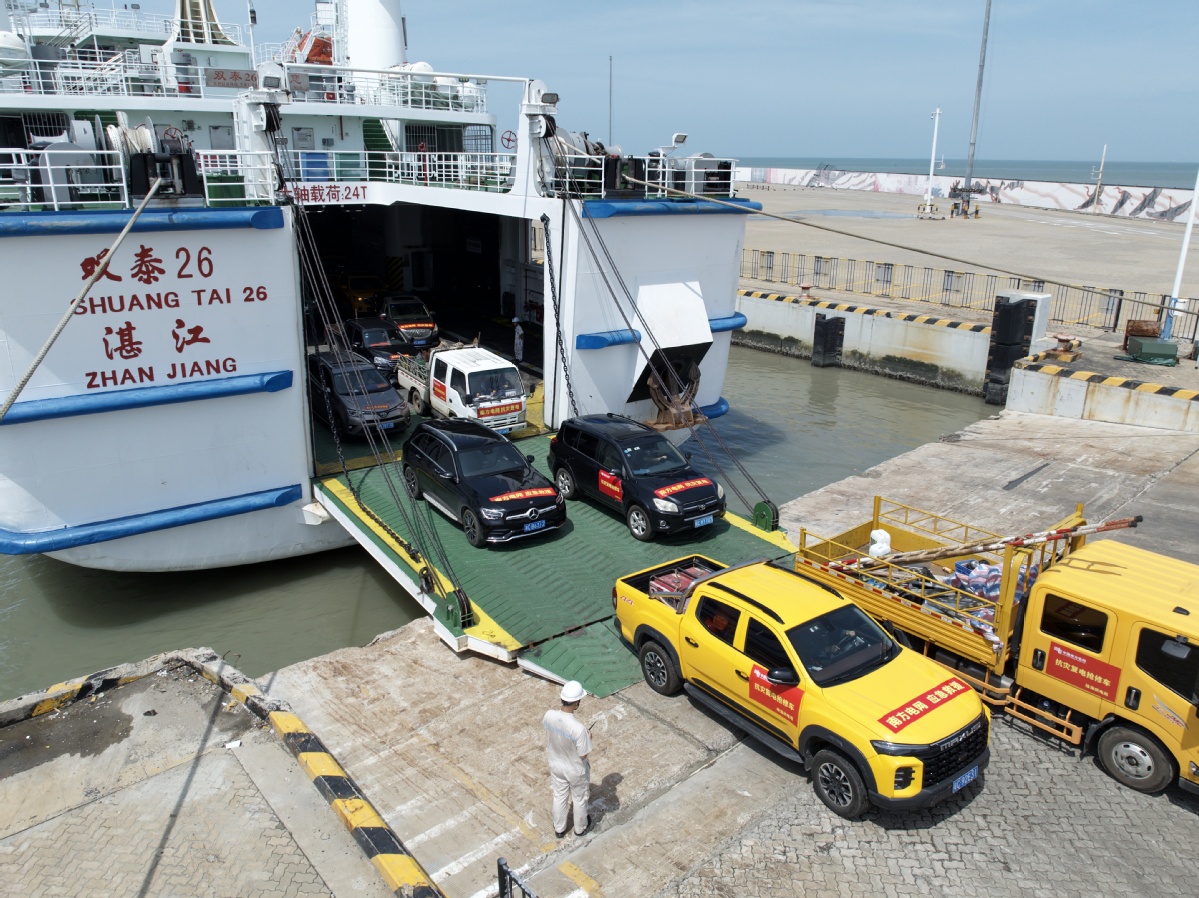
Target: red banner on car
pixel 1083 671
pixel 783 700
pixel 439 390
pixel 610 485
pixel 408 327
pixel 524 494
pixel 506 409
pixel 665 491
pixel 923 704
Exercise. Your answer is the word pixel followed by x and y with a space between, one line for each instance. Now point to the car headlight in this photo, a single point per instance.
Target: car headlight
pixel 896 749
pixel 719 491
pixel 492 514
pixel 667 506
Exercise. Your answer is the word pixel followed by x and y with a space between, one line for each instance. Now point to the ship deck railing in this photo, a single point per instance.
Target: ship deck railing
pixel 106 21
pixel 57 179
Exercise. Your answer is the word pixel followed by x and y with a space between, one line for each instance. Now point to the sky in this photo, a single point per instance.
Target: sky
pixel 838 78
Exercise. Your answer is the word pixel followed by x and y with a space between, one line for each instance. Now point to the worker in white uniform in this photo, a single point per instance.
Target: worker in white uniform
pixel 518 343
pixel 567 745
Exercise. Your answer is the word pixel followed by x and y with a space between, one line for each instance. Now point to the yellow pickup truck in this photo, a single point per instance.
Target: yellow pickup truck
pixel 808 673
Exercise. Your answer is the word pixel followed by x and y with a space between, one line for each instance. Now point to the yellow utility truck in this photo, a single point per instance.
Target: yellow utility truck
pixel 1096 642
pixel 805 671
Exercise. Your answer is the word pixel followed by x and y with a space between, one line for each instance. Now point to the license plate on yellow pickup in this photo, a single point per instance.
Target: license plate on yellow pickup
pixel 965 779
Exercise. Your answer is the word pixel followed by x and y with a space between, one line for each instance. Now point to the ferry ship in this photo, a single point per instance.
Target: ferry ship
pixel 167 427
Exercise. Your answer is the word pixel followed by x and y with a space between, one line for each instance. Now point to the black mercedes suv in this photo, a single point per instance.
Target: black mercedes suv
pixel 633 469
pixel 478 477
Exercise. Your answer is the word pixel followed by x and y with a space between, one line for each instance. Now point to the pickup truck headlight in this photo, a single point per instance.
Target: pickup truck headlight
pixel 897 749
pixel 492 514
pixel 666 505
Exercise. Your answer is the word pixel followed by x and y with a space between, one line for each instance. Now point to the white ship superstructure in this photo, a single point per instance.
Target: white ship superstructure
pixel 168 426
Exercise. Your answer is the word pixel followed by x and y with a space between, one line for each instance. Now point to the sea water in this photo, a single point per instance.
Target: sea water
pixel 794 427
pixel 1123 174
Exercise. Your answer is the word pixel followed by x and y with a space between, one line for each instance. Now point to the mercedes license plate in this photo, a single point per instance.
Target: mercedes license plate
pixel 968 777
pixel 705 520
pixel 534 525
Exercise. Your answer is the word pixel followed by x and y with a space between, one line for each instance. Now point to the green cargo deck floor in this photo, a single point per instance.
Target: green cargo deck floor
pixel 544 601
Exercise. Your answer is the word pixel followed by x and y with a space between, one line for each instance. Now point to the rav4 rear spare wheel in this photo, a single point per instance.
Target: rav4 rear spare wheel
pixel 838 784
pixel 659 669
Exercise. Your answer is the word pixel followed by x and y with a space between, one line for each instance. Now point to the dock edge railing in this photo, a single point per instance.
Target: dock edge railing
pixel 1105 308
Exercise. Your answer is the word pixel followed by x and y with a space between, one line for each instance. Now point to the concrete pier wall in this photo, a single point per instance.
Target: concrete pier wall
pixel 924 349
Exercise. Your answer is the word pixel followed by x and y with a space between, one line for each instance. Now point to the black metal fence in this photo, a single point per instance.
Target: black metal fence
pixel 1106 308
pixel 510 884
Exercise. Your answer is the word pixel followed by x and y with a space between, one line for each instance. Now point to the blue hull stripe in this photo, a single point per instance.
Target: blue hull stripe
pixel 619 208
pixel 604 339
pixel 15 543
pixel 39 224
pixel 716 409
pixel 733 322
pixel 141 397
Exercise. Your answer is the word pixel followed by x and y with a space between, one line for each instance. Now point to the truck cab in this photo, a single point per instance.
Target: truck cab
pixel 809 674
pixel 465 382
pixel 1112 634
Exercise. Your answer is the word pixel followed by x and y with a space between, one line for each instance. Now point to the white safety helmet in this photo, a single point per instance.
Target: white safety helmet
pixel 572 692
pixel 880 543
pixel 516 321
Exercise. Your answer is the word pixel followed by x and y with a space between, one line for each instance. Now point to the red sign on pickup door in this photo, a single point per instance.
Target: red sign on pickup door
pixel 782 700
pixel 506 409
pixel 1083 671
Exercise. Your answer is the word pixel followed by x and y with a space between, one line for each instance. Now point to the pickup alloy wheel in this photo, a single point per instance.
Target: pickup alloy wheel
pixel 838 784
pixel 658 669
pixel 1135 759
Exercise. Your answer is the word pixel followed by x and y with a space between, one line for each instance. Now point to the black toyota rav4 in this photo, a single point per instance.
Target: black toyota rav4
pixel 632 468
pixel 479 478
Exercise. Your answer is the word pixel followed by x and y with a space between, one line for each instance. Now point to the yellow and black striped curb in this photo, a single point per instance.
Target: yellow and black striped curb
pixel 971 326
pixel 1034 364
pixel 399 869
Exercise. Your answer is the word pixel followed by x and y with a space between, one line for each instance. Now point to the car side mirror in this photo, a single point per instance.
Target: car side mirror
pixel 530 459
pixel 687 456
pixel 445 475
pixel 783 676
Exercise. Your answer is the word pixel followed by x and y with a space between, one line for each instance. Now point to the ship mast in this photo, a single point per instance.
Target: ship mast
pixel 978 95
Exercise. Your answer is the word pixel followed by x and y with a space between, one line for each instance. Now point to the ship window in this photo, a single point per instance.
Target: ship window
pixel 1074 623
pixel 762 646
pixel 477 139
pixel 1178 674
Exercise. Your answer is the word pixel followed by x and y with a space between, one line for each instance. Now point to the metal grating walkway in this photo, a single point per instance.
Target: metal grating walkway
pixel 544 602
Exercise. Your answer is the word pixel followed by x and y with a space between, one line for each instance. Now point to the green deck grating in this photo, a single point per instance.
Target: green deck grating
pixel 553 594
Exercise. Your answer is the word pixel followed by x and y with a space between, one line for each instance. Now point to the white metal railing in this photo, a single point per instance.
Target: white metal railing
pixel 492 172
pixel 40 180
pixel 409 90
pixel 57 20
pixel 124 75
pixel 580 175
pixel 33 180
pixel 234 177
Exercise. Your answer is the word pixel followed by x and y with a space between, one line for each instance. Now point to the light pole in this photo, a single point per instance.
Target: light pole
pixel 252 16
pixel 932 164
pixel 1168 327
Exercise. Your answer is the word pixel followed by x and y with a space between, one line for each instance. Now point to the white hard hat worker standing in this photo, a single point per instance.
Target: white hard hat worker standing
pixel 518 340
pixel 567 745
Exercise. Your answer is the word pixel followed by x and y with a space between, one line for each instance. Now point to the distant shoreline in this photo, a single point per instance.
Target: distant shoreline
pixel 1173 175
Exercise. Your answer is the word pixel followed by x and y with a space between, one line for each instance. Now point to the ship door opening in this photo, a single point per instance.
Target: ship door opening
pixel 474 271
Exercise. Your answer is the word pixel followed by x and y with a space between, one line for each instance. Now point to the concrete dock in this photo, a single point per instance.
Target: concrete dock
pixel 172 785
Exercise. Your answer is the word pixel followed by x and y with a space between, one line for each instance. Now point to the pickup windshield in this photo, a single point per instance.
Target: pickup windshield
pixel 841 645
pixel 652 455
pixel 487 386
pixel 493 459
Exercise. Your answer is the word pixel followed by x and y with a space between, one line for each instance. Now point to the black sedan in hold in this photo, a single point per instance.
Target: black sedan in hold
pixel 634 470
pixel 477 477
